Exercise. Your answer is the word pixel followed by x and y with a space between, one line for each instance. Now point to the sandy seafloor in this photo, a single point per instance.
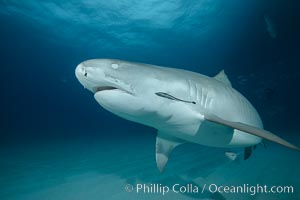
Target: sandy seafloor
pixel 96 169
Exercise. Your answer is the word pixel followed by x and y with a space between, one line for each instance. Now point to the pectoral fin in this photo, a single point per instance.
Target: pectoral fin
pixel 164 147
pixel 251 130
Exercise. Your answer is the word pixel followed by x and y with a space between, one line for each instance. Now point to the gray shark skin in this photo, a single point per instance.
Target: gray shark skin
pixel 183 106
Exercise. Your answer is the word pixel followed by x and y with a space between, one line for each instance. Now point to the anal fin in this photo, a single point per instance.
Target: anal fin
pixel 247 152
pixel 164 147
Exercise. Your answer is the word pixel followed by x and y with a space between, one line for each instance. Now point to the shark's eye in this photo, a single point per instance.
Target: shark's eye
pixel 85 74
pixel 115 66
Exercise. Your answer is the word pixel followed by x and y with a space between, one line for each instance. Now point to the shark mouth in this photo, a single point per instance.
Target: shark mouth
pixel 102 88
pixel 105 88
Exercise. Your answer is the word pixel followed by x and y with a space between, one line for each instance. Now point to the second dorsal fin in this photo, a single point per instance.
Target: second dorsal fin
pixel 221 76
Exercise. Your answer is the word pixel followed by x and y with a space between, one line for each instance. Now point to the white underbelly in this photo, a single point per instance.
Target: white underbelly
pixel 215 135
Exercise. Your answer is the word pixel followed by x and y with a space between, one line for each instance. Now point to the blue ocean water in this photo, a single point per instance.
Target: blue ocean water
pixel 58 143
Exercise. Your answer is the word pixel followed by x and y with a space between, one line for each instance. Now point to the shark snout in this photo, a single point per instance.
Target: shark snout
pixel 98 79
pixel 79 71
pixel 86 78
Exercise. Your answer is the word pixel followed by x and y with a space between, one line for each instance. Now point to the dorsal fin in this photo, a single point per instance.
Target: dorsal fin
pixel 221 76
pixel 164 147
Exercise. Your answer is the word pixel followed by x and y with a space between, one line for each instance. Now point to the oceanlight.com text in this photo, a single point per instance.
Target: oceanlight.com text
pixel 211 188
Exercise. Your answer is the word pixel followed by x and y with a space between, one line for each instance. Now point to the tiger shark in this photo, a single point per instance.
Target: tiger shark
pixel 184 106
